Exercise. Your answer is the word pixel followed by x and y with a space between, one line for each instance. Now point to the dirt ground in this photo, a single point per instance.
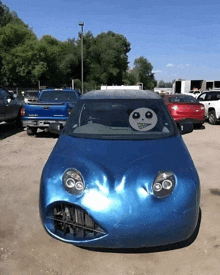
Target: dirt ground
pixel 25 248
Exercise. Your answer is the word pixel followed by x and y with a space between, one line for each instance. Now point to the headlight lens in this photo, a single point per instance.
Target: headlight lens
pixel 73 181
pixel 164 184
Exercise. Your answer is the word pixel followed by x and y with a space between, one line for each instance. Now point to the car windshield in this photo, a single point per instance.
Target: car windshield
pixel 58 96
pixel 184 98
pixel 120 119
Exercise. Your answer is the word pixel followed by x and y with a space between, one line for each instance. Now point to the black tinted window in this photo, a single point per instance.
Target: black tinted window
pixel 202 97
pixel 59 96
pixel 3 93
pixel 182 98
pixel 120 119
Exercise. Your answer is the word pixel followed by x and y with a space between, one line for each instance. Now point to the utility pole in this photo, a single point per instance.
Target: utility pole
pixel 81 24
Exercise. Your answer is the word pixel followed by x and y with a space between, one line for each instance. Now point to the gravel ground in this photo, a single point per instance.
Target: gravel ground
pixel 25 248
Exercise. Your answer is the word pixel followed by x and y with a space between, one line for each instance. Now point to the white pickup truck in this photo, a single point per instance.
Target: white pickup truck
pixel 211 101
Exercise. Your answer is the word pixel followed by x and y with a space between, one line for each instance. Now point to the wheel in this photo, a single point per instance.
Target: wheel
pixel 18 121
pixel 31 131
pixel 212 117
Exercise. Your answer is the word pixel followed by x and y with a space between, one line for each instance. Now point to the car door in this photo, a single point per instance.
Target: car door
pixel 205 99
pixel 11 105
pixel 2 106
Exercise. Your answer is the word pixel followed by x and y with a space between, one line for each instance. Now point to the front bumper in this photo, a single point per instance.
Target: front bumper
pixel 121 222
pixel 41 123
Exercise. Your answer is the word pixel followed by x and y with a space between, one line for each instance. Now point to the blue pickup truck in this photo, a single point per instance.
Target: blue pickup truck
pixel 52 105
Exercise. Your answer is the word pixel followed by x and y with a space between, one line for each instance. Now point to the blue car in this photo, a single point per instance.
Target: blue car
pixel 120 175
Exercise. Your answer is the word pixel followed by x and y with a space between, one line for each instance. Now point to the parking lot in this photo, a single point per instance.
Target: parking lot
pixel 25 248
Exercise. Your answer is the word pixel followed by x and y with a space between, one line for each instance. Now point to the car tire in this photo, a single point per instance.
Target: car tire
pixel 212 117
pixel 18 121
pixel 31 131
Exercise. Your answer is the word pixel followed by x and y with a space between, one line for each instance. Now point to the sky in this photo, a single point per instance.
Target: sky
pixel 180 38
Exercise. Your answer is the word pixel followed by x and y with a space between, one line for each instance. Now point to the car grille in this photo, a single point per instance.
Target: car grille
pixel 73 222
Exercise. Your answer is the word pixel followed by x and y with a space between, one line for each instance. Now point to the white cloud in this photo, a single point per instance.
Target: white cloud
pixel 156 71
pixel 170 65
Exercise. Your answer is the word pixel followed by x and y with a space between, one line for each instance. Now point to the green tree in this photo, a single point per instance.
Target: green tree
pixel 5 16
pixel 14 39
pixel 52 75
pixel 142 72
pixel 161 84
pixel 70 62
pixel 109 58
pixel 24 60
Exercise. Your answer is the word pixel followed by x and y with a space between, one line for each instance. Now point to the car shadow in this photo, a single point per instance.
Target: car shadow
pixel 8 129
pixel 162 248
pixel 44 134
pixel 196 127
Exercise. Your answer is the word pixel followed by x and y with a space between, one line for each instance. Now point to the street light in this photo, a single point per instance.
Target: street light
pixel 81 24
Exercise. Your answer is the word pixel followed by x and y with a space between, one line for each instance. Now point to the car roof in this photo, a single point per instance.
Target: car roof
pixel 55 89
pixel 121 94
pixel 172 95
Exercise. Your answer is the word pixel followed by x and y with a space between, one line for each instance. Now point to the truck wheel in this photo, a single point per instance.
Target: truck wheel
pixel 212 117
pixel 31 131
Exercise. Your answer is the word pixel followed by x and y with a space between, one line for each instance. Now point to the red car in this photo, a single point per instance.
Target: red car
pixel 185 107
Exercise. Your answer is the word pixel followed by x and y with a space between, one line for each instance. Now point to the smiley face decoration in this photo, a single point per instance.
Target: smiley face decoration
pixel 143 119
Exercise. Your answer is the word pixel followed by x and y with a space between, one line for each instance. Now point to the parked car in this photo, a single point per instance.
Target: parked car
pixel 211 101
pixel 52 105
pixel 185 108
pixel 9 106
pixel 120 175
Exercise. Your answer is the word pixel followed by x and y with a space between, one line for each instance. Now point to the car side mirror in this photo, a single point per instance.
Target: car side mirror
pixel 185 127
pixel 56 128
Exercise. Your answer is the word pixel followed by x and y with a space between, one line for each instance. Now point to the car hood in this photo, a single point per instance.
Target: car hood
pixel 110 162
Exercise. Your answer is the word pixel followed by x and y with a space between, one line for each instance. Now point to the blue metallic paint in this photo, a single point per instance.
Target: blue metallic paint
pixel 119 175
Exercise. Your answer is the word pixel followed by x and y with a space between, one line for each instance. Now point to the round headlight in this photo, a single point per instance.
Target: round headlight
pixel 164 184
pixel 157 187
pixel 73 181
pixel 167 184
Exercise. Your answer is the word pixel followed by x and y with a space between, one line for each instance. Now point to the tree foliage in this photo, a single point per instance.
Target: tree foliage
pixel 109 58
pixel 142 72
pixel 25 60
pixel 163 84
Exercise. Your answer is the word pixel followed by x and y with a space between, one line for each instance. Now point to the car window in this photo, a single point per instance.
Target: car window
pixel 58 96
pixel 120 119
pixel 209 96
pixel 4 93
pixel 215 96
pixel 202 97
pixel 182 98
